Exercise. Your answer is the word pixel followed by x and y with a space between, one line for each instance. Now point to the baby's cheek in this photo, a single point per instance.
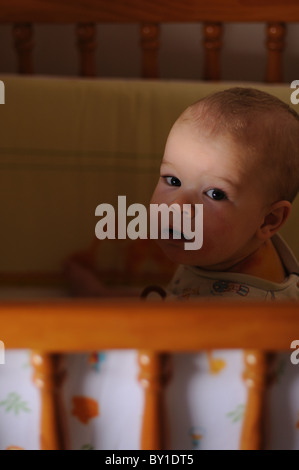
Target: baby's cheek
pixel 155 196
pixel 215 226
pixel 217 232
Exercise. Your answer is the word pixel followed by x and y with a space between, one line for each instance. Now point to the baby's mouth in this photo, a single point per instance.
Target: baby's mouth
pixel 175 235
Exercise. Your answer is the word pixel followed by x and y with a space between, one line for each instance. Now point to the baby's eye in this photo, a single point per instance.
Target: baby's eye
pixel 172 180
pixel 216 194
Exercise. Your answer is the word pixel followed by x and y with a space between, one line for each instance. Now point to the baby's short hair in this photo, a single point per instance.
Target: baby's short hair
pixel 266 126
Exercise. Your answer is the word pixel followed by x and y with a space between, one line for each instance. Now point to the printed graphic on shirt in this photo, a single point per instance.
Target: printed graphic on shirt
pixel 220 287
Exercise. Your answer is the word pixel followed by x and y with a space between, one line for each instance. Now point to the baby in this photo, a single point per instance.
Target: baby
pixel 236 152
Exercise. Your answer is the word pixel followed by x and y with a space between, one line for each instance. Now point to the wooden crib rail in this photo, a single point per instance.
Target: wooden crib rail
pixel 150 14
pixel 156 11
pixel 155 329
pixel 78 325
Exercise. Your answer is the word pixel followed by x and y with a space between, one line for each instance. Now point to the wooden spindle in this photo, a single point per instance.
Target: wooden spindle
pixel 154 375
pixel 48 376
pixel 256 379
pixel 23 42
pixel 86 41
pixel 212 45
pixel 275 43
pixel 149 38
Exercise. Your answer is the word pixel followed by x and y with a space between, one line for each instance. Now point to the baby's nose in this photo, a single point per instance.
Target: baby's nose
pixel 186 209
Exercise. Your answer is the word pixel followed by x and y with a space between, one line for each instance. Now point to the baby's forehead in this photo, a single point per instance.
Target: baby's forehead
pixel 203 131
pixel 215 116
pixel 220 144
pixel 246 135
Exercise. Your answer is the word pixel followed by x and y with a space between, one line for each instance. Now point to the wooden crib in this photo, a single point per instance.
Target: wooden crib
pixel 154 329
pixel 149 15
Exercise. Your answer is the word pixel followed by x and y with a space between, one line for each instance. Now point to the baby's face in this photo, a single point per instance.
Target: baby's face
pixel 197 169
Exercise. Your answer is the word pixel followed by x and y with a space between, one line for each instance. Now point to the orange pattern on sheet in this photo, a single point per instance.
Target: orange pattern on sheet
pixel 85 408
pixel 14 448
pixel 216 364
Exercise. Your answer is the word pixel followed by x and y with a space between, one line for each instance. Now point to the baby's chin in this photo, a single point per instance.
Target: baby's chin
pixel 176 253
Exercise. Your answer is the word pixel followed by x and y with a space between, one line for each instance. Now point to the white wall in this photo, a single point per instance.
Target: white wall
pixel 181 52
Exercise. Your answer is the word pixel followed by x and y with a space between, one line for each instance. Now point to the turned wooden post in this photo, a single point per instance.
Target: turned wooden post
pixel 86 41
pixel 154 375
pixel 275 43
pixel 212 46
pixel 48 376
pixel 149 38
pixel 23 42
pixel 256 379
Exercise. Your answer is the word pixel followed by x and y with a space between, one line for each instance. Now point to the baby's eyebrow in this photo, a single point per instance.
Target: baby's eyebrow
pixel 165 162
pixel 230 182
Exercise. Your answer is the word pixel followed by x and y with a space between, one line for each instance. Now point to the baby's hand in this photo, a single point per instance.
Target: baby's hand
pixel 80 274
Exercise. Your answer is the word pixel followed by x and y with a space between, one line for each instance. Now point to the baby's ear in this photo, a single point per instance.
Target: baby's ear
pixel 275 217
